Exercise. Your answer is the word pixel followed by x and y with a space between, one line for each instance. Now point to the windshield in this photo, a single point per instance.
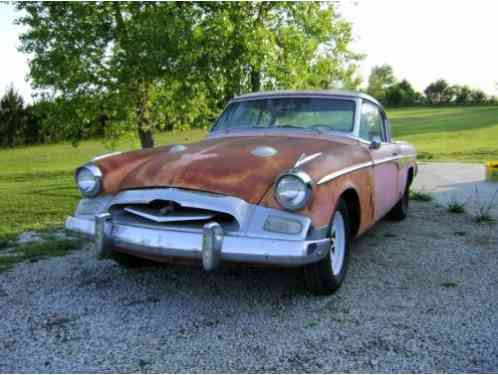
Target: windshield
pixel 319 114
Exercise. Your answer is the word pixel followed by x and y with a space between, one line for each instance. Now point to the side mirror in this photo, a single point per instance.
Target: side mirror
pixel 375 143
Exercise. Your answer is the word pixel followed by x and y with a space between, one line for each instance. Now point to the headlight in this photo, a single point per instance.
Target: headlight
pixel 294 190
pixel 89 180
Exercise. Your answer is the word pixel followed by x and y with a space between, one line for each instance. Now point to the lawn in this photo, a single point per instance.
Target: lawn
pixel 38 191
pixel 449 133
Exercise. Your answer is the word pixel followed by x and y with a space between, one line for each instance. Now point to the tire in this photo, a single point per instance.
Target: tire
pixel 325 276
pixel 400 211
pixel 128 261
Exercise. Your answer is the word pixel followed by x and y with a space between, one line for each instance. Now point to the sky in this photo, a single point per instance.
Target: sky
pixel 423 40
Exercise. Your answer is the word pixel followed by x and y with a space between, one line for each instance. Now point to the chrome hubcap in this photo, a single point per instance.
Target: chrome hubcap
pixel 338 243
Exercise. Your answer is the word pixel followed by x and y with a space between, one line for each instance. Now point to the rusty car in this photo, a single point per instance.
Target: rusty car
pixel 283 178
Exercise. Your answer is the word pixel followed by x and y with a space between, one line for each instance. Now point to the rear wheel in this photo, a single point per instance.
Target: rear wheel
pixel 327 275
pixel 400 211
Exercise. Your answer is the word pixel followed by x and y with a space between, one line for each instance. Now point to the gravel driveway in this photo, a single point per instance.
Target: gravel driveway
pixel 420 296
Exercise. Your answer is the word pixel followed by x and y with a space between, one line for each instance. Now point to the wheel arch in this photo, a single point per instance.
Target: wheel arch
pixel 352 200
pixel 410 177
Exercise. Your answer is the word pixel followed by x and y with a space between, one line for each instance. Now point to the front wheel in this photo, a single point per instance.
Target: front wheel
pixel 327 275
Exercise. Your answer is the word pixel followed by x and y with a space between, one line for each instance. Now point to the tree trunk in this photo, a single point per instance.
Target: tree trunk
pixel 143 118
pixel 255 80
pixel 146 137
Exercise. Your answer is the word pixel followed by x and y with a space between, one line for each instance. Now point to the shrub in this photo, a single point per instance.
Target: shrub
pixel 420 196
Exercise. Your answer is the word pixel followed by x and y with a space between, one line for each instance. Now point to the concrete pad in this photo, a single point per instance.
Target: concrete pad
pixel 458 181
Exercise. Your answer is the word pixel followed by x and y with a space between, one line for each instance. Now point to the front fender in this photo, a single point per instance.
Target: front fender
pixel 326 196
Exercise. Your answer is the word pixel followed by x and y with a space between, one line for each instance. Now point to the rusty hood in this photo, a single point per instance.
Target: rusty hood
pixel 241 166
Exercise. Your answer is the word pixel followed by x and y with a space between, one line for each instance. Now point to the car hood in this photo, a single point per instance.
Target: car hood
pixel 241 166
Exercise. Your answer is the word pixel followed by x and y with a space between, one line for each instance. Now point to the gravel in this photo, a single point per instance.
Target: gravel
pixel 420 296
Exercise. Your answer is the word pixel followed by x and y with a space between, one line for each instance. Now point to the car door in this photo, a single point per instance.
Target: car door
pixel 375 131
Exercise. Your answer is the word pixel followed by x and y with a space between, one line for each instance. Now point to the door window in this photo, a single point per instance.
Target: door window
pixel 371 122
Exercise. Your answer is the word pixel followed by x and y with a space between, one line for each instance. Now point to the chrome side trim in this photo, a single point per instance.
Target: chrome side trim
pixel 107 155
pixel 356 167
pixel 341 172
pixel 392 158
pixel 303 159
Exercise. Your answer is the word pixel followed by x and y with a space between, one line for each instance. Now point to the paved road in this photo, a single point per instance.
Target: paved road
pixel 457 181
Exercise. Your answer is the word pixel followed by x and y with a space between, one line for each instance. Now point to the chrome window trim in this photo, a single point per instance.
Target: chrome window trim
pixel 384 131
pixel 355 99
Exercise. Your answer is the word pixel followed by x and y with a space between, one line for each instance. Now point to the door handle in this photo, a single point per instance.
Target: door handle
pixel 395 154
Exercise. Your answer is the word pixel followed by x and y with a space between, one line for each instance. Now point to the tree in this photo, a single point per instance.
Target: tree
pixel 402 94
pixel 107 56
pixel 439 92
pixel 12 118
pixel 462 94
pixel 157 65
pixel 478 97
pixel 271 45
pixel 380 79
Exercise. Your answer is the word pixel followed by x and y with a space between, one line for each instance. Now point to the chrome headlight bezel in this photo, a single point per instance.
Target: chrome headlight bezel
pixel 307 189
pixel 95 171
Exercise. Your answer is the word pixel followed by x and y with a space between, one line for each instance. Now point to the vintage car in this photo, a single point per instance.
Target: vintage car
pixel 285 178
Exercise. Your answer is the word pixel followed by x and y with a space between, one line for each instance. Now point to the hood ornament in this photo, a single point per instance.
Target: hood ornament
pixel 264 151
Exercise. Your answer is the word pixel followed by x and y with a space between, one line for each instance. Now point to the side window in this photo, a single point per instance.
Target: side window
pixel 371 122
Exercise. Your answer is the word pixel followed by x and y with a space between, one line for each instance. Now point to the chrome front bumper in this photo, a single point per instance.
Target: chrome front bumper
pixel 197 245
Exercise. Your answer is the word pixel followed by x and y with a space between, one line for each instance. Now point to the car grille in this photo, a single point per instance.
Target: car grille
pixel 170 215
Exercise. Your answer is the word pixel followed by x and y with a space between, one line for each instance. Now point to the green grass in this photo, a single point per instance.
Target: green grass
pixel 34 251
pixel 420 196
pixel 456 207
pixel 449 133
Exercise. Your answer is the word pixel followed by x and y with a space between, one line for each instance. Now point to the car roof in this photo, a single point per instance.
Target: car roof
pixel 304 93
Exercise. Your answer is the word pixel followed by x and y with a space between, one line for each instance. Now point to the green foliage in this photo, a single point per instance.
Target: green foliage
pixel 402 94
pixel 38 250
pixel 439 92
pixel 485 207
pixel 420 196
pixel 462 94
pixel 456 207
pixel 149 66
pixel 384 86
pixel 12 118
pixel 380 80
